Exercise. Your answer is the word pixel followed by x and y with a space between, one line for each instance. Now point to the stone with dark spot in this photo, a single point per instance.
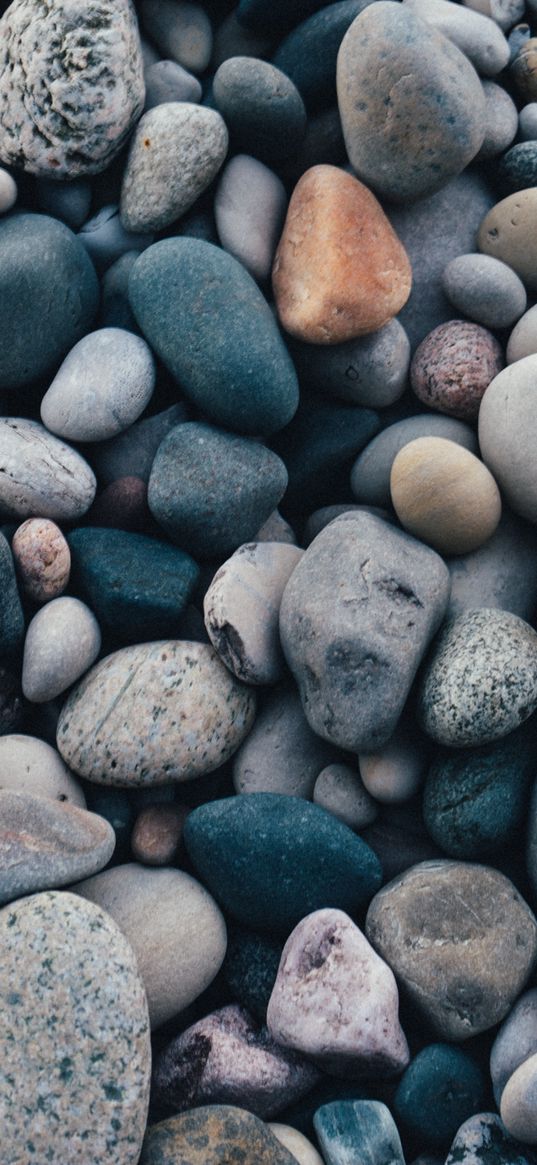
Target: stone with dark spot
pixel 214 1135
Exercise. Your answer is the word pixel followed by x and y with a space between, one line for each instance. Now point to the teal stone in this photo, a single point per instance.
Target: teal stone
pixel 517 169
pixel 484 1140
pixel 136 586
pixel 209 323
pixel 440 1089
pixel 358 1131
pixel 270 859
pixel 308 54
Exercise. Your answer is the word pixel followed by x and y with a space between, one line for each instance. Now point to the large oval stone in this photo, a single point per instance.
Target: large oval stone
pixel 40 476
pixel 75 1035
pixel 154 713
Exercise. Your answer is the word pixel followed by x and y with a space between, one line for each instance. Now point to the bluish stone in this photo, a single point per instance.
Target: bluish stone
pixel 440 1089
pixel 517 169
pixel 484 1140
pixel 11 615
pixel 275 17
pixel 250 968
pixel 308 54
pixel 364 1131
pixel 261 107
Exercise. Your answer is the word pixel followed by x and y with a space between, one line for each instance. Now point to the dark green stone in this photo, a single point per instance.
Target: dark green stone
pixel 11 615
pixel 440 1089
pixel 250 968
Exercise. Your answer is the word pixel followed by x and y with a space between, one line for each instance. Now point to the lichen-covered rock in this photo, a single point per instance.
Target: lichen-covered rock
pixel 71 84
pixel 213 1135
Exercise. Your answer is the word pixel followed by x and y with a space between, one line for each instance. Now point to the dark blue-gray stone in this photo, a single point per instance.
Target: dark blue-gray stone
pixel 211 490
pixel 352 1131
pixel 49 294
pixel 308 54
pixel 517 169
pixel 11 616
pixel 136 586
pixel 250 968
pixel 207 320
pixel 440 1089
pixel 262 108
pixel 270 859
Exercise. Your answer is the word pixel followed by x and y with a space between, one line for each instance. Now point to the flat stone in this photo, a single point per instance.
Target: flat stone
pixel 335 1000
pixel 371 370
pixel 173 926
pixel 454 365
pixel 281 753
pixel 181 31
pixel 208 1135
pixel 261 106
pixel 62 641
pixel 485 289
pixel 370 476
pixel 474 33
pixel 42 559
pixel 167 711
pixel 350 1127
pixel 507 233
pixel 484 1140
pixel 440 1089
pixel 249 209
pixel 506 429
pixel 30 765
pixel 502 573
pixel 463 964
pixel 341 791
pixel 515 1042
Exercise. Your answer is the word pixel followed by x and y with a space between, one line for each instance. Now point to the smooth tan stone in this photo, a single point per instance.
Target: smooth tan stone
pixel 340 271
pixel 297 1144
pixel 42 559
pixel 444 495
pixel 30 765
pixel 508 233
pixel 341 791
pixel 518 1108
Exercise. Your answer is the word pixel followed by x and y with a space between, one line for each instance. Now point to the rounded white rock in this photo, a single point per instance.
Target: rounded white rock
pixel 30 765
pixel 40 476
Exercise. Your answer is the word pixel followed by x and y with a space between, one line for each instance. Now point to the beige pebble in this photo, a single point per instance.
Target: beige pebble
pixel 297 1144
pixel 508 233
pixel 444 495
pixel 42 559
pixel 341 791
pixel 518 1106
pixel 396 772
pixel 30 765
pixel 157 834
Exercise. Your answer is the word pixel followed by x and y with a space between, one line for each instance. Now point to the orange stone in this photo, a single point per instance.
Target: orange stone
pixel 340 271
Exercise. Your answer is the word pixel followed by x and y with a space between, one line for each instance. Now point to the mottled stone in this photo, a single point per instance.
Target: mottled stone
pixel 507 424
pixel 475 34
pixel 454 365
pixel 335 1000
pixel 507 233
pixel 209 1135
pixel 395 773
pixel 75 1035
pixel 42 559
pixel 485 289
pixel 157 834
pixel 168 81
pixel 484 1140
pixel 281 753
pixel 41 476
pixel 62 641
pixel 518 1103
pixel 71 84
pixel 181 31
pixel 370 476
pixel 515 1042
pixel 440 1089
pixel 249 209
pixel 462 965
pixel 164 711
pixel 363 1129
pixel 341 791
pixel 517 168
pixel 370 371
pixel 30 765
pixel 261 106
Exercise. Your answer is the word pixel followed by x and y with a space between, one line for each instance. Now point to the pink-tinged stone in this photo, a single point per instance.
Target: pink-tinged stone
pixel 42 559
pixel 453 366
pixel 157 834
pixel 123 505
pixel 335 1000
pixel 227 1058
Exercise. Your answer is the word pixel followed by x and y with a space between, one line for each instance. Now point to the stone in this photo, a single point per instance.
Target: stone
pixel 527 122
pixel 506 427
pixel 485 289
pixel 464 964
pixel 308 54
pixel 515 1042
pixel 62 641
pixel 504 12
pixel 370 476
pixel 106 240
pixel 167 81
pixel 261 106
pixel 298 1145
pixel 340 790
pixel 523 339
pixel 157 834
pixel 440 1089
pixel 69 201
pixel 250 967
pixel 454 365
pixel 371 370
pixel 444 495
pixel 502 573
pixel 45 844
pixel 193 492
pixel 181 31
pixel 326 514
pixel 249 209
pixel 517 1105
pixel 501 121
pixel 206 319
pixel 399 839
pixel 433 89
pixel 324 304
pixel 176 150
pixel 396 772
pixel 115 307
pixel 478 684
pixel 239 846
pixel 71 85
pixel 208 1135
pixel 522 69
pixel 226 1058
pixel 12 622
pixel 276 529
pixel 281 753
pixel 166 711
pixel 12 704
pixel 350 1127
pixel 475 34
pixel 49 293
pixel 173 926
pixel 132 453
pixel 41 476
pixel 483 1140
pixel 355 620
pixel 322 144
pixel 335 1001
pixel 517 168
pixel 137 586
pixel 242 607
pixel 232 39
pixel 30 765
pixel 123 505
pixel 115 807
pixel 42 559
pixel 8 191
pixel 102 387
pixel 506 233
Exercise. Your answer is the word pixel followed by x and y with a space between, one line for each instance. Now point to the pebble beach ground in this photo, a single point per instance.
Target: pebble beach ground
pixel 268 572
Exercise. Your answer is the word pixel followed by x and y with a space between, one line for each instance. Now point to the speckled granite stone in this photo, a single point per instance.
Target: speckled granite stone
pixel 214 1135
pixel 75 1037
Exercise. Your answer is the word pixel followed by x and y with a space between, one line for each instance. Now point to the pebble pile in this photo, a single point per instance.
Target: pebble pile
pixel 268 572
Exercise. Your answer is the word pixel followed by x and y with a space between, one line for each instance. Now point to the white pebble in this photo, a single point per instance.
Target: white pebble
pixel 62 642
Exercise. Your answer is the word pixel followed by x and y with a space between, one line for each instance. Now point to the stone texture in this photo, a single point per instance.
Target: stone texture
pixel 370 371
pixel 485 289
pixel 475 34
pixel 157 834
pixel 501 121
pixel 250 968
pixel 261 106
pixel 507 233
pixel 71 84
pixel 42 477
pixel 132 453
pixel 517 1105
pixel 8 191
pixel 12 704
pixel 105 239
pixel 356 618
pixel 523 339
pixel 181 31
pixel 395 773
pixel 506 435
pixel 12 622
pixel 502 573
pixel 515 1042
pixel 299 1146
pixel 62 641
pixel 350 1128
pixel 168 81
pixel 370 476
pixel 484 1140
pixel 440 1089
pixel 308 54
pixel 359 287
pixel 335 1000
pixel 75 1035
pixel 42 559
pixel 30 765
pixel 281 754
pixel 173 926
pixel 249 209
pixel 523 69
pixel 122 505
pixel 462 965
pixel 340 790
pixel 207 1136
pixel 454 365
pixel 517 168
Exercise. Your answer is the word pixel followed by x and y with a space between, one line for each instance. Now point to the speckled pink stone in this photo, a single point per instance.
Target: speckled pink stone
pixel 42 559
pixel 453 366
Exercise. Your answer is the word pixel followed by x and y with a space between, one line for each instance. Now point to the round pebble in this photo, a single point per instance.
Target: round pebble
pixel 517 1105
pixel 506 427
pixel 370 475
pixel 181 31
pixel 527 122
pixel 370 371
pixel 42 559
pixel 453 366
pixel 261 106
pixel 157 834
pixel 523 339
pixel 30 765
pixel 8 191
pixel 396 772
pixel 440 1089
pixel 507 233
pixel 62 642
pixel 478 38
pixel 501 121
pixel 486 290
pixel 249 209
pixel 297 1144
pixel 515 1042
pixel 340 790
pixel 167 81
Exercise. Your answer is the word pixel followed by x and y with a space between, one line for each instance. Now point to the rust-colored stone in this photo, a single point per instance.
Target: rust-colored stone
pixel 158 833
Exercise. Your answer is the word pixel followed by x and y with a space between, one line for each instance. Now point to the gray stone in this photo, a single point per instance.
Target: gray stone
pixel 504 12
pixel 249 209
pixel 460 939
pixel 176 150
pixel 71 84
pixel 352 1130
pixel 30 765
pixel 531 845
pixel 173 926
pixel 370 371
pixel 480 681
pixel 181 31
pixel 213 1135
pixel 501 121
pixel 340 790
pixel 370 476
pixel 62 641
pixel 475 34
pixel 502 573
pixel 527 122
pixel 75 1038
pixel 45 845
pixel 281 754
pixel 484 1140
pixel 435 121
pixel 168 81
pixel 41 477
pixel 106 240
pixel 485 289
pixel 518 1106
pixel 523 339
pixel 115 307
pixel 276 529
pixel 507 433
pixel 262 108
pixel 232 39
pixel 154 713
pixel 515 1042
pixel 321 518
pixel 132 453
pixel 68 201
pixel 356 618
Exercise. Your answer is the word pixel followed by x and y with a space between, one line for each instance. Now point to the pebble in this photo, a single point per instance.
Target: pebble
pixel 249 209
pixel 8 191
pixel 444 495
pixel 42 559
pixel 506 427
pixel 132 452
pixel 239 846
pixel 517 168
pixel 501 121
pixel 12 704
pixel 441 1088
pixel 326 514
pixel 213 1135
pixel 226 1058
pixel 348 1127
pixel 207 320
pixel 370 476
pixel 340 790
pixel 167 81
pixel 276 529
pixel 354 292
pixel 30 765
pixel 12 622
pixel 483 1139
pixel 371 370
pixel 242 607
pixel 157 834
pixel 281 754
pixel 106 240
pixel 531 844
pixel 123 505
pixel 478 684
pixel 308 54
pixel 336 1001
pixel 115 307
pixel 69 201
pixel 504 12
pixel 174 927
pixel 250 968
pixel 517 1105
pixel 522 69
pixel 462 966
pixel 176 150
pixel 232 39
pixel 359 578
pixel 396 772
pixel 261 106
pixel 486 290
pixel 182 31
pixel 523 339
pixel 71 87
pixel 507 233
pixel 167 711
pixel 527 122
pixel 62 641
pixel 478 37
pixel 515 1042
pixel 454 365
pixel 41 476
pixel 432 89
pixel 299 1147
pixel 45 844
